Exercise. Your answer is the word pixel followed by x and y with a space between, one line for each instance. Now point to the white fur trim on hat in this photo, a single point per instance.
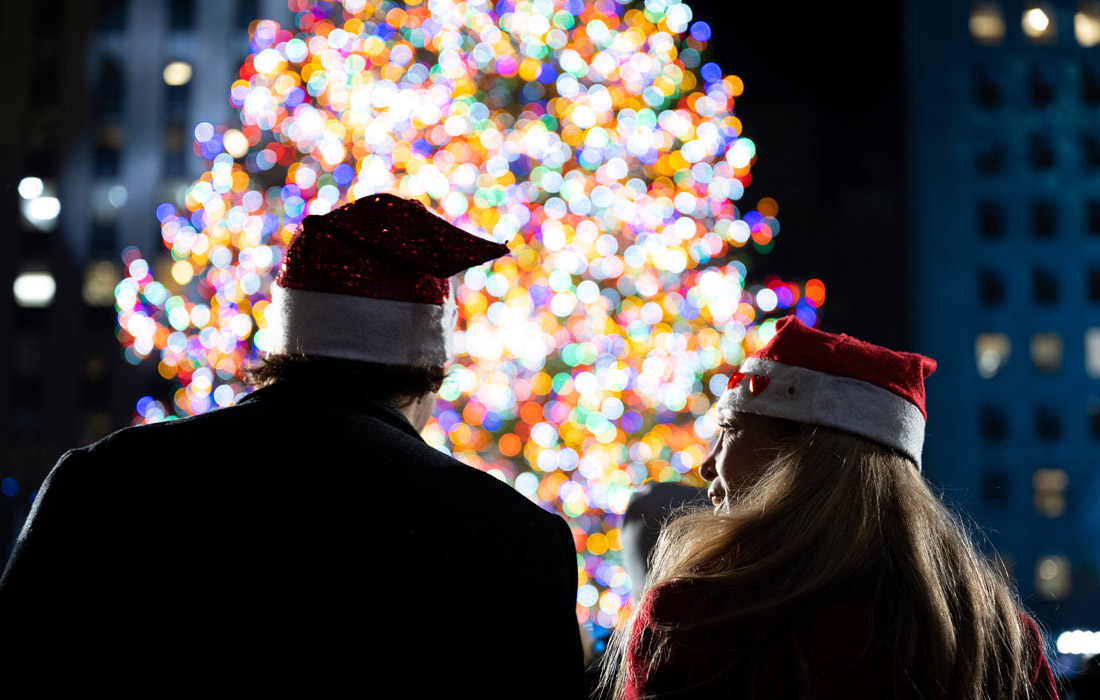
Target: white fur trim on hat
pixel 809 396
pixel 361 328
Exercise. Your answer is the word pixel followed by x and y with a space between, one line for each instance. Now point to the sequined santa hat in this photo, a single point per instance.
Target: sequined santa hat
pixel 369 282
pixel 810 376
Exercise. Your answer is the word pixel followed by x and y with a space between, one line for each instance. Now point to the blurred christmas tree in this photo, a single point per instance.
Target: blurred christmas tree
pixel 591 137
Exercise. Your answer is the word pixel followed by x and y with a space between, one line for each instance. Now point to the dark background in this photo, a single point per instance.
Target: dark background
pixel 824 103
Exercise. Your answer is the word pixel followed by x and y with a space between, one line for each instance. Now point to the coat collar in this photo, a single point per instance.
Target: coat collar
pixel 350 395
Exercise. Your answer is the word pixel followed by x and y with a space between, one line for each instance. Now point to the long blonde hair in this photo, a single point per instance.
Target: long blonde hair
pixel 830 512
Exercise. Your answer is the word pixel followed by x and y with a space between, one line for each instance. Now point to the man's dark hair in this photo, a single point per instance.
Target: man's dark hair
pixel 398 384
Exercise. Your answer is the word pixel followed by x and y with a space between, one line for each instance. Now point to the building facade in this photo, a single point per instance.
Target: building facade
pixel 1004 105
pixel 101 102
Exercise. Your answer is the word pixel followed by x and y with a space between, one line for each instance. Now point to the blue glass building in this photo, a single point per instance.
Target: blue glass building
pixel 1004 106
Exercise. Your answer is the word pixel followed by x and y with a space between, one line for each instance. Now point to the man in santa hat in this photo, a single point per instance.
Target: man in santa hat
pixel 308 531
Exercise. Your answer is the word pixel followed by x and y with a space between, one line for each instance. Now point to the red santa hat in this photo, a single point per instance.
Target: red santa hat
pixel 810 376
pixel 369 282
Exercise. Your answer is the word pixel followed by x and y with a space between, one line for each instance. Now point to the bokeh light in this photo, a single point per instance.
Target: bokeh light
pixel 591 137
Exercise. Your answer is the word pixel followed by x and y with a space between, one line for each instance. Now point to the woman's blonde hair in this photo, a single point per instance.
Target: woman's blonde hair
pixel 836 513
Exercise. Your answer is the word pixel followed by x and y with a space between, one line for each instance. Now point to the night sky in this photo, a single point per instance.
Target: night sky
pixel 824 103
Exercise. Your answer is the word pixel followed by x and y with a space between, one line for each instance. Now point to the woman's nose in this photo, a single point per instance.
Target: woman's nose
pixel 707 469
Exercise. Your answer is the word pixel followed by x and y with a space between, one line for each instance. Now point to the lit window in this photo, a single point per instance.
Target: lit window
pixel 1052 578
pixel 1050 491
pixel 1092 352
pixel 177 73
pixel 987 24
pixel 991 352
pixel 100 280
pixel 1038 24
pixel 31 187
pixel 1086 24
pixel 38 204
pixel 1083 642
pixel 34 289
pixel 1046 351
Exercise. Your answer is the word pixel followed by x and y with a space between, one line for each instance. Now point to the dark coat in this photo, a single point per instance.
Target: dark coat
pixel 304 534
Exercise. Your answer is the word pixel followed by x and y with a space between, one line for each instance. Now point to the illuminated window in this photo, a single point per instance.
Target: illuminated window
pixel 100 279
pixel 1083 642
pixel 31 187
pixel 994 424
pixel 1052 578
pixel 34 289
pixel 38 203
pixel 991 352
pixel 987 23
pixel 1050 491
pixel 1092 351
pixel 1048 424
pixel 1046 351
pixel 1038 24
pixel 177 73
pixel 1086 24
pixel 987 90
pixel 991 290
pixel 991 223
pixel 1044 286
pixel 1040 153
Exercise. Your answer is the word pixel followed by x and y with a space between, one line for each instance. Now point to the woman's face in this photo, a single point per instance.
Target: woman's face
pixel 746 444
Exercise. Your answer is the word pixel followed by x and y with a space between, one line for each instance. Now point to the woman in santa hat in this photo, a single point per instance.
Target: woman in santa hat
pixel 828 569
